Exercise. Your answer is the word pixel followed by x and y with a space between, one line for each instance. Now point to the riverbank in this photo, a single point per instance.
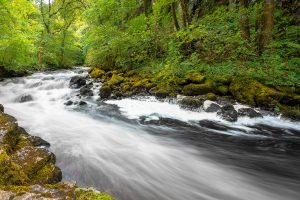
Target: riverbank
pixel 197 88
pixel 28 169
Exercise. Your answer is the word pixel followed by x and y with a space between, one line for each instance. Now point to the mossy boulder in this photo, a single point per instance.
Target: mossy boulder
pixel 10 173
pixel 9 130
pixel 290 113
pixel 97 73
pixel 199 89
pixel 32 159
pixel 191 102
pixel 115 80
pixel 91 194
pixel 223 80
pixel 105 92
pixel 252 92
pixel 211 96
pixel 160 92
pixel 194 77
pixel 222 90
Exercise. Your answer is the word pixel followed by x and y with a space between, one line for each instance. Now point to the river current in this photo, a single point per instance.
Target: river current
pixel 146 149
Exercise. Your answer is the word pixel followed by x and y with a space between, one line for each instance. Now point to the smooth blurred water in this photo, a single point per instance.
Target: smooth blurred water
pixel 144 149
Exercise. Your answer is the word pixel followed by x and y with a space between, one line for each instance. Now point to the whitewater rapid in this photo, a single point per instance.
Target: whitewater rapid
pixel 105 145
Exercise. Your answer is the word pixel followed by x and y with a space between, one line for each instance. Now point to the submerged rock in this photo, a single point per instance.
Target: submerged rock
pixel 25 98
pixel 249 112
pixel 77 82
pixel 68 103
pixel 86 91
pixel 228 113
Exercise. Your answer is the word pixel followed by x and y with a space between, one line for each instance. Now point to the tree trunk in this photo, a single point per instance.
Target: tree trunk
pixel 185 12
pixel 265 36
pixel 175 20
pixel 245 27
pixel 147 7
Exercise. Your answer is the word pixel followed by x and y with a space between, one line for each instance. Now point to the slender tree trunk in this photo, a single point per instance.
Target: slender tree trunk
pixel 185 12
pixel 175 20
pixel 147 7
pixel 245 27
pixel 62 51
pixel 265 35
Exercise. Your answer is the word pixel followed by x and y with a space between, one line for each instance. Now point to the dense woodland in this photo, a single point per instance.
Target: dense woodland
pixel 254 38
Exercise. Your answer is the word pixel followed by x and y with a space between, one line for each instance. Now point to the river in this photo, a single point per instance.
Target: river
pixel 145 149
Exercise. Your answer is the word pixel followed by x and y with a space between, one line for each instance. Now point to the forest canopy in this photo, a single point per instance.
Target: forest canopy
pixel 255 38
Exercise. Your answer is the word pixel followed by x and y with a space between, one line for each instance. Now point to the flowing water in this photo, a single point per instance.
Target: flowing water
pixel 145 149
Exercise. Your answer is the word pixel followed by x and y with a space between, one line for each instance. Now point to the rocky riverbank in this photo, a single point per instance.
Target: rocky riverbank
pixel 28 170
pixel 194 90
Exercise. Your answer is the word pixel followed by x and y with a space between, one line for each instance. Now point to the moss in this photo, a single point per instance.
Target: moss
pixel 194 77
pixel 160 92
pixel 252 92
pixel 211 96
pixel 49 174
pixel 115 80
pixel 223 89
pixel 9 126
pixel 290 112
pixel 140 84
pixel 97 73
pixel 105 92
pixel 199 89
pixel 10 173
pixel 90 194
pixel 19 190
pixel 223 80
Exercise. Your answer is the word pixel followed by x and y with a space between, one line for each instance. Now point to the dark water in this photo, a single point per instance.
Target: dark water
pixel 143 149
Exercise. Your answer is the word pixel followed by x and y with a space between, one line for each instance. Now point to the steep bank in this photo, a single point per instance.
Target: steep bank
pixel 28 170
pixel 280 100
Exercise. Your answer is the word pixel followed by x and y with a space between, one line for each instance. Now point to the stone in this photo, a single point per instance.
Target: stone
pixel 210 106
pixel 25 98
pixel 68 103
pixel 105 92
pixel 228 113
pixel 249 112
pixel 77 82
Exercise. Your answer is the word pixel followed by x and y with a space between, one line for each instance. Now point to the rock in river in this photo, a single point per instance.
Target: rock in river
pixel 228 113
pixel 77 82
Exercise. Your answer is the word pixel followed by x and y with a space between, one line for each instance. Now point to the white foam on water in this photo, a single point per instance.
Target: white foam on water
pixel 124 159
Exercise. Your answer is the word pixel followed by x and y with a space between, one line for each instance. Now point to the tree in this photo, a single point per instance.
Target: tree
pixel 245 27
pixel 267 23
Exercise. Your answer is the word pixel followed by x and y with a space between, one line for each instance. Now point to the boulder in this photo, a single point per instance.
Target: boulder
pixel 25 98
pixel 210 106
pixel 68 103
pixel 190 102
pixel 198 89
pixel 253 93
pixel 82 103
pixel 86 91
pixel 77 82
pixel 105 92
pixel 228 113
pixel 249 112
pixel 1 108
pixel 159 92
